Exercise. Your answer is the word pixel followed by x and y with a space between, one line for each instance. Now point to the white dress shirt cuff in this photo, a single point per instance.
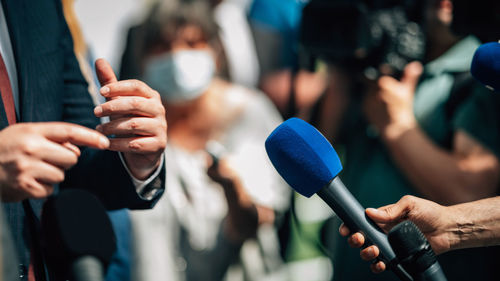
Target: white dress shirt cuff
pixel 140 185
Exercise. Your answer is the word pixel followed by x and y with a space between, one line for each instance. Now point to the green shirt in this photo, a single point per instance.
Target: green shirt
pixel 371 174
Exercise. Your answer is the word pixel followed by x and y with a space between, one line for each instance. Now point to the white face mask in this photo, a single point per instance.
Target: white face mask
pixel 180 76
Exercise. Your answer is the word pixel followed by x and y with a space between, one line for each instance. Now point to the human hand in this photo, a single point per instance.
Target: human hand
pixel 243 215
pixel 220 171
pixel 389 104
pixel 137 120
pixel 431 218
pixel 34 156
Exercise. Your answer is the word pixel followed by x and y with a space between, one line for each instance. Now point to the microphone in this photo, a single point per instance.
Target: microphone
pixel 78 236
pixel 415 253
pixel 309 164
pixel 485 66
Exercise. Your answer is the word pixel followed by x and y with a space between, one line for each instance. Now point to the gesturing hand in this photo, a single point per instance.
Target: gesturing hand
pixel 34 156
pixel 137 120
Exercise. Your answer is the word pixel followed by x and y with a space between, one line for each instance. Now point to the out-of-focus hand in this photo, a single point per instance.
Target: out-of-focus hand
pixel 34 156
pixel 221 172
pixel 243 215
pixel 431 218
pixel 137 120
pixel 389 104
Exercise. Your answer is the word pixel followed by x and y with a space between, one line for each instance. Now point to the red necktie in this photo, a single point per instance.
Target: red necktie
pixel 10 111
pixel 6 91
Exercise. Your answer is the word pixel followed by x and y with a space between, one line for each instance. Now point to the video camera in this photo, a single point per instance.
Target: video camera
pixel 478 17
pixel 379 37
pixel 373 39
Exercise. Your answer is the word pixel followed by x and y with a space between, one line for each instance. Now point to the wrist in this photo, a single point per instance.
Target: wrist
pixel 394 131
pixel 461 228
pixel 241 224
pixel 142 166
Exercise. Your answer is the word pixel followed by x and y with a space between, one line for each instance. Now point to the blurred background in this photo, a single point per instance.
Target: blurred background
pixel 230 71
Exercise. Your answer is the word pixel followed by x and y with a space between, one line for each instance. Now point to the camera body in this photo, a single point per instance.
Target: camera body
pixel 478 17
pixel 373 40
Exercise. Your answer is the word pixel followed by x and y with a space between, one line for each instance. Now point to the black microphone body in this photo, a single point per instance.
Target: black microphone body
pixel 78 238
pixel 87 268
pixel 415 253
pixel 309 164
pixel 433 273
pixel 347 208
pixel 353 215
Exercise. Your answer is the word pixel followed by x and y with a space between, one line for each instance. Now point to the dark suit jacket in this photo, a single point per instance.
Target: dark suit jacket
pixel 51 88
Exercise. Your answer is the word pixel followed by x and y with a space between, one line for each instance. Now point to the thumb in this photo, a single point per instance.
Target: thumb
pixel 411 74
pixel 387 214
pixel 104 72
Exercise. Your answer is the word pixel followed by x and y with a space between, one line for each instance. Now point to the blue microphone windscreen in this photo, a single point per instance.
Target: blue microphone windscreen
pixel 485 65
pixel 302 156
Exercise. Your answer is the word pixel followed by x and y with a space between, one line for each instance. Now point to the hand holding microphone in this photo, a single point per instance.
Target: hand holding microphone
pixel 430 217
pixel 309 164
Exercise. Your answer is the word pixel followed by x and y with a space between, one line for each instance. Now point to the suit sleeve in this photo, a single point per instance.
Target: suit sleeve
pixel 100 172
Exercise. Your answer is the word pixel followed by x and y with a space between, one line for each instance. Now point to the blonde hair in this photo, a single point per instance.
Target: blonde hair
pixel 79 45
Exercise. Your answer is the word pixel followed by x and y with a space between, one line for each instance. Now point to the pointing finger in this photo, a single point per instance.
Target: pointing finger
pixel 78 135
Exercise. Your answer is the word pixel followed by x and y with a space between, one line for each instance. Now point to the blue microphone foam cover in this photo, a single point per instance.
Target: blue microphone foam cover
pixel 485 65
pixel 302 156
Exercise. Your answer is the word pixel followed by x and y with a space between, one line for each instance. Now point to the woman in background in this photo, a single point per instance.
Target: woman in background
pixel 217 218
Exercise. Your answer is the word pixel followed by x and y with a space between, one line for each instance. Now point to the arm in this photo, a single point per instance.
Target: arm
pixel 139 126
pixel 468 172
pixel 467 225
pixel 102 171
pixel 243 215
pixel 476 224
pixel 239 224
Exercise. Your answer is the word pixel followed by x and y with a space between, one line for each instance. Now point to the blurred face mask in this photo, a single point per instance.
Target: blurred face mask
pixel 180 76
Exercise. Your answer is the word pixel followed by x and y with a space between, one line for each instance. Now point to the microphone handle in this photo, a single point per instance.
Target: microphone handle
pixel 87 268
pixel 350 211
pixel 433 273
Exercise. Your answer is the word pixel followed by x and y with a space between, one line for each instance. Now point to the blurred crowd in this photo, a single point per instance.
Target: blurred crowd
pixel 387 82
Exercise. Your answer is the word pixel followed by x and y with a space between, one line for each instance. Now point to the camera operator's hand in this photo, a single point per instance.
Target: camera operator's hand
pixel 34 156
pixel 389 104
pixel 434 220
pixel 137 120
